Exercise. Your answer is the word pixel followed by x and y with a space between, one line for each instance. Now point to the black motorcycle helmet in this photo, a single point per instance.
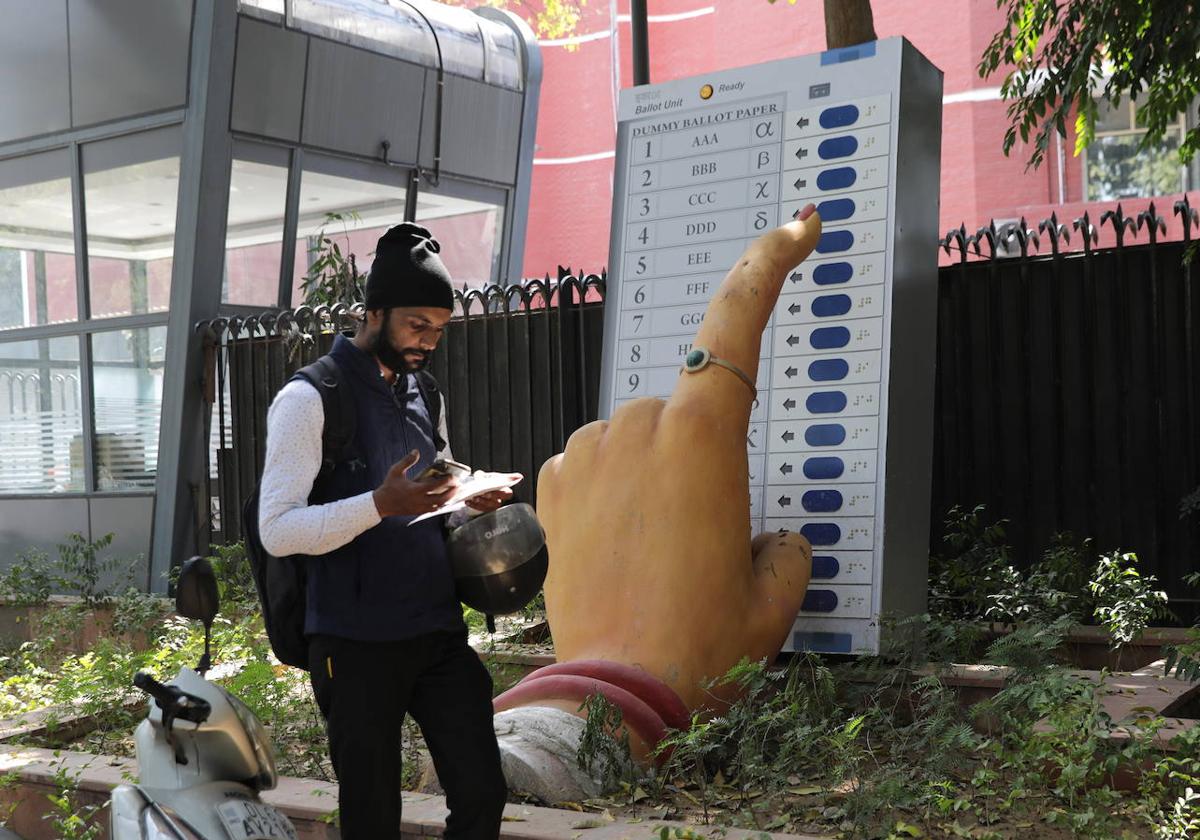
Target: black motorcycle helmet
pixel 499 559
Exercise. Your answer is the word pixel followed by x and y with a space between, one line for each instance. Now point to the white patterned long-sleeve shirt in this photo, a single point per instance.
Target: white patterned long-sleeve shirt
pixel 288 524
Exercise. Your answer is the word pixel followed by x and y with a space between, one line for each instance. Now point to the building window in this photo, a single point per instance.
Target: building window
pixel 41 422
pixel 37 245
pixel 131 185
pixel 468 221
pixel 366 210
pixel 1117 168
pixel 254 233
pixel 127 371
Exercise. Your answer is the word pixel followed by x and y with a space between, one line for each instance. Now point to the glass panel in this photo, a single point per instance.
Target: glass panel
pixel 1114 118
pixel 367 210
pixel 127 367
pixel 1117 169
pixel 503 55
pixel 470 234
pixel 130 189
pixel 371 24
pixel 41 423
pixel 254 234
pixel 37 248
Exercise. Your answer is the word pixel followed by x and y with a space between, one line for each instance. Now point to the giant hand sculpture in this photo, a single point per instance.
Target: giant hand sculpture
pixel 655 586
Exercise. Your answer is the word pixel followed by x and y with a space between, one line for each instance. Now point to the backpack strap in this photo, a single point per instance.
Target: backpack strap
pixel 338 405
pixel 428 387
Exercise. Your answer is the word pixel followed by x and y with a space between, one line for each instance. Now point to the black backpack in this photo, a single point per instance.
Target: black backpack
pixel 282 582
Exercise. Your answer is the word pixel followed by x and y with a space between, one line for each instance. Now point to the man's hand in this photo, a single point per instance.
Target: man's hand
pixel 401 496
pixel 487 502
pixel 647 514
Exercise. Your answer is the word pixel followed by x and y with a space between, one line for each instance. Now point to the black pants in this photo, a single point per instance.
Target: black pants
pixel 364 690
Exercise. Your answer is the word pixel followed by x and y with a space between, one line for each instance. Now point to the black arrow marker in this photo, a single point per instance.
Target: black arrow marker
pixel 790 372
pixel 785 501
pixel 785 468
pixel 789 436
pixel 796 276
pixel 793 340
pixel 802 152
pixel 801 183
pixel 802 122
pixel 789 403
pixel 794 308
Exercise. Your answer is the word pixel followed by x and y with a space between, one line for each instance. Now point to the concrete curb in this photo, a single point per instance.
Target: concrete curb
pixel 306 802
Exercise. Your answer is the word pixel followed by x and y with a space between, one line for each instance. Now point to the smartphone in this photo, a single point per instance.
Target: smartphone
pixel 443 467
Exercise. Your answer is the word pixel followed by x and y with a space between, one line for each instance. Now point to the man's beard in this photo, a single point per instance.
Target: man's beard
pixel 402 360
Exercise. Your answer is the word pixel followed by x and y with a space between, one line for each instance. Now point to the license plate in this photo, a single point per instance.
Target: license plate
pixel 254 821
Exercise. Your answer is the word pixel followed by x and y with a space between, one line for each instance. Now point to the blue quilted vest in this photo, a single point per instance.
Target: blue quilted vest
pixel 393 581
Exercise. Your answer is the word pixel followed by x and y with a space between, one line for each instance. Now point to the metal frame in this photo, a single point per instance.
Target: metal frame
pixel 199 255
pixel 75 136
pixel 512 255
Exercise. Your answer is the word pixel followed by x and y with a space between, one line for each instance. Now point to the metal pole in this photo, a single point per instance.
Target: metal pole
pixel 641 42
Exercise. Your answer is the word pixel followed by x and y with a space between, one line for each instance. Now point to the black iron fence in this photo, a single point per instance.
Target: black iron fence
pixel 1066 383
pixel 519 370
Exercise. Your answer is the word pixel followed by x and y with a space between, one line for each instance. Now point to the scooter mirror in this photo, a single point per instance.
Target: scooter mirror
pixel 196 592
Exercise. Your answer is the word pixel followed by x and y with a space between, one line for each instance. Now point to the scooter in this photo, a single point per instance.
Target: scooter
pixel 203 757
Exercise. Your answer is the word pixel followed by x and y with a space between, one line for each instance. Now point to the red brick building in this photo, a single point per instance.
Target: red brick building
pixel 572 181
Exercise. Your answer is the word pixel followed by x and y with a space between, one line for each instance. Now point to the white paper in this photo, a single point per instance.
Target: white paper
pixel 478 483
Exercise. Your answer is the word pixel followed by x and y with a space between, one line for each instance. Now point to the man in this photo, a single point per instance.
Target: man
pixel 385 628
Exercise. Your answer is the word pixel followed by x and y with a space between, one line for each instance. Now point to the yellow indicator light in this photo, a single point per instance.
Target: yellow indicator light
pixel 706 92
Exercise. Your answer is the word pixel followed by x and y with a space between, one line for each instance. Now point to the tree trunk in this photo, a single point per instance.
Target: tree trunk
pixel 848 22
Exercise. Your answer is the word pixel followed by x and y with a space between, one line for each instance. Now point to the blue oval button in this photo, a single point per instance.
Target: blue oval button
pixel 836 209
pixel 825 434
pixel 837 179
pixel 825 567
pixel 821 533
pixel 825 402
pixel 828 274
pixel 835 240
pixel 837 147
pixel 821 501
pixel 819 600
pixel 839 116
pixel 824 468
pixel 827 338
pixel 830 305
pixel 828 370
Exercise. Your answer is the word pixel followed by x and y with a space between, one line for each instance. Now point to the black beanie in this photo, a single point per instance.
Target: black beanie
pixel 407 271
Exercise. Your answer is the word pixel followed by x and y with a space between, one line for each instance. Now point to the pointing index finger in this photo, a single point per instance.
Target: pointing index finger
pixel 738 313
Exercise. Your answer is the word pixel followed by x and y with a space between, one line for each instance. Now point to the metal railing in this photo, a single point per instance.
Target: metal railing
pixel 518 367
pixel 1066 383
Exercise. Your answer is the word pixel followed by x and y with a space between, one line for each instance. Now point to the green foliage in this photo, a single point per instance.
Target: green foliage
pixel 1189 505
pixel 29 581
pixel 1054 586
pixel 1125 600
pixel 1175 783
pixel 604 748
pixel 333 277
pixel 972 567
pixel 1184 659
pixel 1031 648
pixel 71 819
pixel 235 578
pixel 136 611
pixel 1058 55
pixel 80 569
